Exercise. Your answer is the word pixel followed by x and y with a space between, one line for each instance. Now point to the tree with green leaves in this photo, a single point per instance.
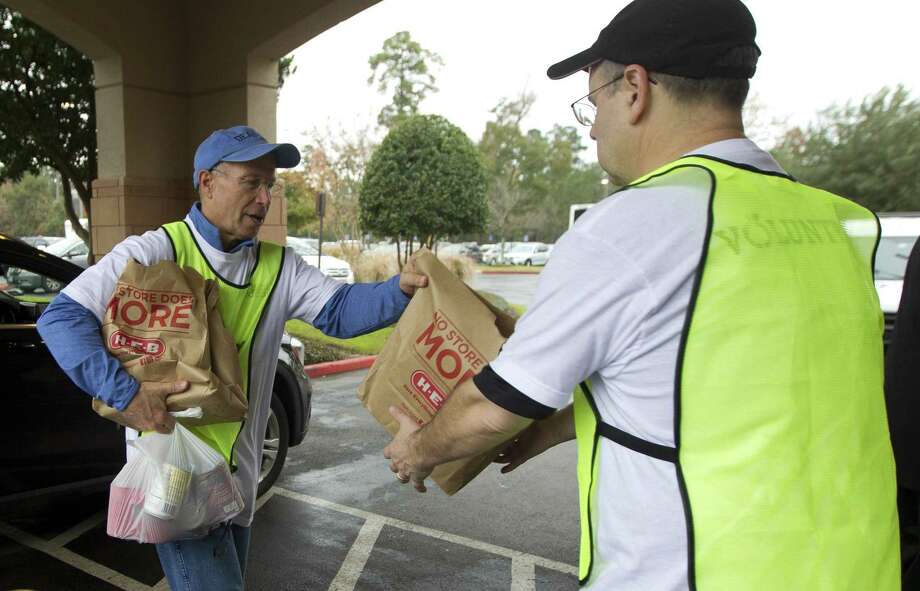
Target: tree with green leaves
pixel 867 152
pixel 402 65
pixel 508 154
pixel 569 180
pixel 424 182
pixel 286 68
pixel 300 198
pixel 334 163
pixel 47 110
pixel 533 176
pixel 31 207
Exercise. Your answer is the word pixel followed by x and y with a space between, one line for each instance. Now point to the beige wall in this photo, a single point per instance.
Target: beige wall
pixel 168 72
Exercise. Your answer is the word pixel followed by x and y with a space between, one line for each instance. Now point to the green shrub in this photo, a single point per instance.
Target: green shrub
pixel 425 180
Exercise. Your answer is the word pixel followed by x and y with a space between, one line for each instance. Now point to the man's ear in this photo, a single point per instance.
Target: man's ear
pixel 635 79
pixel 205 179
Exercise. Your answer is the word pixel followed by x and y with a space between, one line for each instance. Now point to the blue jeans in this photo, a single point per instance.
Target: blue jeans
pixel 216 561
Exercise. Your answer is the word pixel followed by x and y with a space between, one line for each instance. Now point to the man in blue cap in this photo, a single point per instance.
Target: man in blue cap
pixel 235 179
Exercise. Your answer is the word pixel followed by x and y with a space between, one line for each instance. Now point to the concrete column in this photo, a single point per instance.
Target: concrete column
pixel 148 134
pixel 168 73
pixel 248 98
pixel 145 177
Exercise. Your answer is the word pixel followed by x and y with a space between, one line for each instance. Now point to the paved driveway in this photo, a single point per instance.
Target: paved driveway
pixel 338 519
pixel 516 288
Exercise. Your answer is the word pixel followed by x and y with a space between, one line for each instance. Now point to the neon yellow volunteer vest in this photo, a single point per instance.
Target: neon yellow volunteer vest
pixel 241 308
pixel 782 454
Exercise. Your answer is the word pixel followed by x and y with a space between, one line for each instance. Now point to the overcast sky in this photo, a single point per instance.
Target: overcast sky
pixel 815 53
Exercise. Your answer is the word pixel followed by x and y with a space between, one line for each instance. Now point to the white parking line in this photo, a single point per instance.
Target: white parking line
pixel 264 498
pixel 360 551
pixel 522 564
pixel 522 574
pixel 453 538
pixel 78 530
pixel 73 559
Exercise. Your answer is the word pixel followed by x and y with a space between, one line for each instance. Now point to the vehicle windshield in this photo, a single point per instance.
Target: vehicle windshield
pixel 61 246
pixel 891 257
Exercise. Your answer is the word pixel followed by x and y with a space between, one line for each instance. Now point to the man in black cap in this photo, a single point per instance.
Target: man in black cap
pixel 726 338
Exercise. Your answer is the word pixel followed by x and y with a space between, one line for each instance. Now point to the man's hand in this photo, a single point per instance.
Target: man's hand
pixel 536 439
pixel 402 455
pixel 529 443
pixel 147 410
pixel 467 424
pixel 411 279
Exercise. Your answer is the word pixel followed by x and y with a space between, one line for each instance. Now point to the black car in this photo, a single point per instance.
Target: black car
pixel 51 442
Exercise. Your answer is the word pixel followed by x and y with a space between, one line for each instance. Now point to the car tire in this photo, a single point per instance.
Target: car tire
pixel 528 262
pixel 275 446
pixel 52 285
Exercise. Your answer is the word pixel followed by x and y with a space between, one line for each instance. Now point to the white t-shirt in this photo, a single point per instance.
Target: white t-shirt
pixel 301 293
pixel 610 307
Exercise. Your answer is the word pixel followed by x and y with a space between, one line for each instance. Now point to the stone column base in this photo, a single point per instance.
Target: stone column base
pixel 126 206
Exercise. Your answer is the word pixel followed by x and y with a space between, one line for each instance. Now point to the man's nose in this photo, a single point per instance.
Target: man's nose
pixel 264 195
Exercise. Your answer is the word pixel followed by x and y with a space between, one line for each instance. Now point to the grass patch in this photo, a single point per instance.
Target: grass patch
pixel 319 347
pixel 318 352
pixel 35 299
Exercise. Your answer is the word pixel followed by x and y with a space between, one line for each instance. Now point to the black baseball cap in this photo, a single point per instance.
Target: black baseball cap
pixel 683 38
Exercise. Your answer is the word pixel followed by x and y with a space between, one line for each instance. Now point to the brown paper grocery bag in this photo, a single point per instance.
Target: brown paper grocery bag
pixel 447 334
pixel 162 323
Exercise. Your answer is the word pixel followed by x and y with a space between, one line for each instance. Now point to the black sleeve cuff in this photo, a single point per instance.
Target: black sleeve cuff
pixel 508 397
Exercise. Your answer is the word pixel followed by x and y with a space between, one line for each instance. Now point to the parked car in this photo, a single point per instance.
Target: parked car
pixel 465 249
pixel 497 254
pixel 40 242
pixel 24 281
pixel 72 249
pixel 472 250
pixel 528 253
pixel 328 265
pixel 52 443
pixel 490 253
pixel 899 233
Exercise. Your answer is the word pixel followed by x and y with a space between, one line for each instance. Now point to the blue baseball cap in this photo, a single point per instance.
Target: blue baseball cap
pixel 240 144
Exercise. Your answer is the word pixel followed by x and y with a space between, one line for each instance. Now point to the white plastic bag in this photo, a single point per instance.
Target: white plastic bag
pixel 174 487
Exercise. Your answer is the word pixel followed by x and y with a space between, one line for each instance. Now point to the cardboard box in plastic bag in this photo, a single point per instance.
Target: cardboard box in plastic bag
pixel 163 325
pixel 447 334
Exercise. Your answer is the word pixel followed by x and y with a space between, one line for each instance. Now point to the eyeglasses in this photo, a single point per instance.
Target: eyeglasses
pixel 585 110
pixel 253 185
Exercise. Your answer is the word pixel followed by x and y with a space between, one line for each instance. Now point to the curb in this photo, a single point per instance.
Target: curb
pixel 333 367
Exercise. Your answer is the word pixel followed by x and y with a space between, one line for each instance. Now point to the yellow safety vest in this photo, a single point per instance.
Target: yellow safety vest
pixel 241 307
pixel 782 454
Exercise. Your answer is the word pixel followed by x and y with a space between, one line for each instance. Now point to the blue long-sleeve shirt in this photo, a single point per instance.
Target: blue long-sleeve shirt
pixel 73 333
